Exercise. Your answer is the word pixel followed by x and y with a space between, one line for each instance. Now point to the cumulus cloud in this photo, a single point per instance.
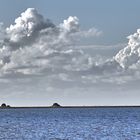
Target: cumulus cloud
pixel 27 25
pixel 70 25
pixel 130 55
pixel 35 47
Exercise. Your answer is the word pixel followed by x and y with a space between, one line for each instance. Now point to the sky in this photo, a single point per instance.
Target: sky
pixel 69 52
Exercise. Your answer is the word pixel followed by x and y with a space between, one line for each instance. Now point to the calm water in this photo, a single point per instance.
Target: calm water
pixel 70 124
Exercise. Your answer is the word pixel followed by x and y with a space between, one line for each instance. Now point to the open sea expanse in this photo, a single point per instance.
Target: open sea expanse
pixel 70 124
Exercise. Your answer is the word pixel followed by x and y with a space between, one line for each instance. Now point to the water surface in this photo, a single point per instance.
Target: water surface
pixel 70 124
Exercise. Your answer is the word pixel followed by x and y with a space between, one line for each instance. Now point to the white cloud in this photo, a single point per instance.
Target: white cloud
pixel 70 25
pixel 28 24
pixel 34 47
pixel 130 55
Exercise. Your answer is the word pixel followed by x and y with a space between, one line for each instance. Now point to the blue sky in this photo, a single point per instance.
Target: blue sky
pixel 80 56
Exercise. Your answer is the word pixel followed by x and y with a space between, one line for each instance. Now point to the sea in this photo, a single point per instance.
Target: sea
pixel 70 123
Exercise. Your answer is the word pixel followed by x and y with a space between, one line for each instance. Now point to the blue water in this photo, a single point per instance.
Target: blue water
pixel 70 124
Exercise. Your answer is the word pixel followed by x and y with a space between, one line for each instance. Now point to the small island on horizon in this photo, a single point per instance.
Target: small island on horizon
pixel 56 105
pixel 3 105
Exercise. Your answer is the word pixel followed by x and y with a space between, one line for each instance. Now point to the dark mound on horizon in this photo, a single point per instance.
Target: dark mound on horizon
pixel 56 105
pixel 4 106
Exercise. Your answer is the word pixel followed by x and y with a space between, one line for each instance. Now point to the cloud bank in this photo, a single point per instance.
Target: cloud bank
pixel 35 47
